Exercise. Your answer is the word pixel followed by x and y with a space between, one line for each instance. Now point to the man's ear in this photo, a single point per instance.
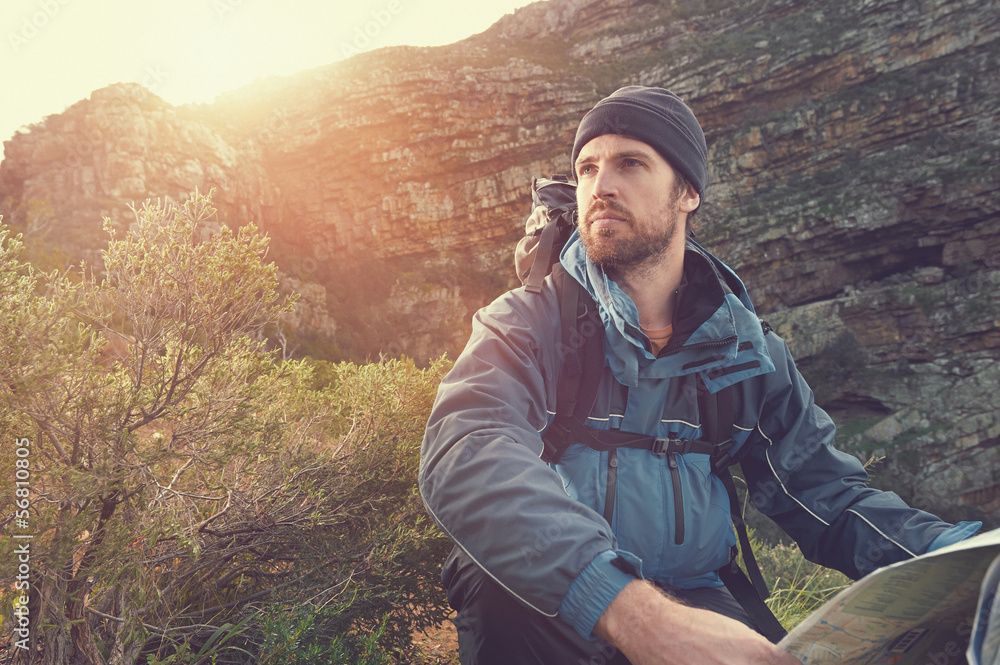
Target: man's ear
pixel 689 201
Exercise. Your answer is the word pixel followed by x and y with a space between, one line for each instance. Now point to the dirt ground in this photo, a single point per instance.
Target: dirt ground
pixel 439 646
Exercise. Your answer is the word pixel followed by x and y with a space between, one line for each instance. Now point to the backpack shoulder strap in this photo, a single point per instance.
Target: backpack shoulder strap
pixel 749 589
pixel 581 349
pixel 717 414
pixel 544 255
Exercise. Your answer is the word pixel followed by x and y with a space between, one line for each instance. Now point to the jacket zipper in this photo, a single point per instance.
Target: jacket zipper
pixel 669 351
pixel 675 480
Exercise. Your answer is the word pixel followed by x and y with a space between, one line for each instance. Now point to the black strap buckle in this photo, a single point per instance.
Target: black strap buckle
pixel 663 446
pixel 720 458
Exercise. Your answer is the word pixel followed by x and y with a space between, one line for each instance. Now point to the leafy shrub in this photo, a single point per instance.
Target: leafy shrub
pixel 189 491
pixel 294 636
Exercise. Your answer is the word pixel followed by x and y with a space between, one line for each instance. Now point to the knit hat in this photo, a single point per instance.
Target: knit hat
pixel 658 118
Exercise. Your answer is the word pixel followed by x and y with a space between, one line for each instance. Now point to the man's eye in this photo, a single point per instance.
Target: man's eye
pixel 585 170
pixel 632 162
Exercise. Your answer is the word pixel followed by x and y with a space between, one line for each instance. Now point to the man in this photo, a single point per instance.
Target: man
pixel 549 569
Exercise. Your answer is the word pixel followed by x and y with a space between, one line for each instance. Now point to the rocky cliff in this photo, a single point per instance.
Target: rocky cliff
pixel 853 184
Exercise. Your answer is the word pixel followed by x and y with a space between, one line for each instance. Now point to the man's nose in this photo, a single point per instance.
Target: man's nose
pixel 605 185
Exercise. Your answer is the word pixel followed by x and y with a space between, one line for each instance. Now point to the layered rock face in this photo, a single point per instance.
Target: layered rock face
pixel 853 185
pixel 126 145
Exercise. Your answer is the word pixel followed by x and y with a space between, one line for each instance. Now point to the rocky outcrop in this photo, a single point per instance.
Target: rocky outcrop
pixel 853 185
pixel 126 145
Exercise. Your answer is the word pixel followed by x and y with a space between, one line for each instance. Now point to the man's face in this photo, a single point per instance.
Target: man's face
pixel 629 204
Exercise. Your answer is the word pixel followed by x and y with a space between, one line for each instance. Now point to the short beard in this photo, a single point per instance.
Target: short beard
pixel 645 246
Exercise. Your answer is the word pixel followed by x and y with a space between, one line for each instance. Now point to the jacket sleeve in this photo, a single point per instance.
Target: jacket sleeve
pixel 819 495
pixel 481 476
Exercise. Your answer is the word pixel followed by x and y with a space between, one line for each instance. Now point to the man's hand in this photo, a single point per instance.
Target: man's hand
pixel 650 628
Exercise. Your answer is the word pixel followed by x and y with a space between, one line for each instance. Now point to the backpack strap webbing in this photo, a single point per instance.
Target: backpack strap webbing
pixel 749 589
pixel 748 594
pixel 582 353
pixel 543 257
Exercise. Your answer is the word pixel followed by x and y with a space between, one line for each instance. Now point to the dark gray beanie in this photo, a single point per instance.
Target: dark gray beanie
pixel 658 118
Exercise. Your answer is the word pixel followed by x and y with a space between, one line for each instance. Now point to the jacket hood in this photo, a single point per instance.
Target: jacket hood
pixel 716 330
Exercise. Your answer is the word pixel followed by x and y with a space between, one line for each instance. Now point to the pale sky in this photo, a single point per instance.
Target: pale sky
pixel 54 53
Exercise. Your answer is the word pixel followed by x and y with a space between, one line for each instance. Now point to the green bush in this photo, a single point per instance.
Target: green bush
pixel 190 494
pixel 294 636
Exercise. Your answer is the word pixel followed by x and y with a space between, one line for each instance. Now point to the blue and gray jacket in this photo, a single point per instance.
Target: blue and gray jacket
pixel 537 529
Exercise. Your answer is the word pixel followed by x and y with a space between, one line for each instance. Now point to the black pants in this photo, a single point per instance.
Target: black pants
pixel 494 628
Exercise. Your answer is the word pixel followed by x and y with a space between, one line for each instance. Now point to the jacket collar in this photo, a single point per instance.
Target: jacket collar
pixel 716 331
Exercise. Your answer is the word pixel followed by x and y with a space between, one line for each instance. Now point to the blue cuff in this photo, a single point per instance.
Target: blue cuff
pixel 596 587
pixel 955 534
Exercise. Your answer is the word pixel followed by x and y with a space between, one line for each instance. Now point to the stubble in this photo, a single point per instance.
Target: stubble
pixel 636 245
